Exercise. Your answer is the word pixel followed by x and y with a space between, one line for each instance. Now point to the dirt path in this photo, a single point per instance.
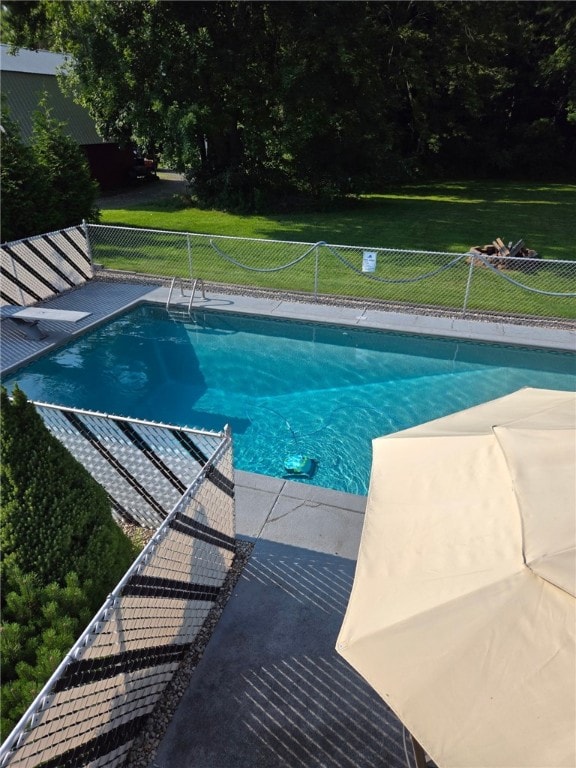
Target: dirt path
pixel 171 183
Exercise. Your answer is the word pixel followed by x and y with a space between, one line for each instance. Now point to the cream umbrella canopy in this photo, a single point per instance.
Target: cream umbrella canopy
pixel 462 615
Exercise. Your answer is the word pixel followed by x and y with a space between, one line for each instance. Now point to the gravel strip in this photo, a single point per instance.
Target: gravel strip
pixel 137 533
pixel 146 744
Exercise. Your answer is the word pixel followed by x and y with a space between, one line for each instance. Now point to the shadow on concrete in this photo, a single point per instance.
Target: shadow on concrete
pixel 270 689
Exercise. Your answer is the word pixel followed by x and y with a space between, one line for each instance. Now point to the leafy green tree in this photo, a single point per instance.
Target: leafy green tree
pixel 542 136
pixel 262 102
pixel 24 18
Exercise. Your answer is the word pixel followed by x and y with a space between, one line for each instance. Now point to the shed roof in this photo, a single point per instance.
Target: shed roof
pixel 31 62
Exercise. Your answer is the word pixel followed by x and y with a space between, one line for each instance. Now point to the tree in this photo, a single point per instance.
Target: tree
pixel 45 186
pixel 542 139
pixel 64 167
pixel 259 102
pixel 24 189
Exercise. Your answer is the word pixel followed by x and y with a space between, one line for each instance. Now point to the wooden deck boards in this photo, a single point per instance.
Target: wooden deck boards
pixel 100 299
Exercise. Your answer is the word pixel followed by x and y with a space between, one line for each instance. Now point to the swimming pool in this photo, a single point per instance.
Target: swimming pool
pixel 285 387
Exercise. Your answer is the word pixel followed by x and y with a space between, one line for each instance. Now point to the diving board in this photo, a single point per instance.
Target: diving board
pixel 29 317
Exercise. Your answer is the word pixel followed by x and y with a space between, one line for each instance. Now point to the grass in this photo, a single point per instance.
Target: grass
pixel 449 216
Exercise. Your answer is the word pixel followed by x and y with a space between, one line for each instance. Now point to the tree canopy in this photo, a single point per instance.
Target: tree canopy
pixel 262 103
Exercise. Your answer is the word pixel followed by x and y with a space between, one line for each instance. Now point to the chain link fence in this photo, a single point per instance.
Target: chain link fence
pixel 98 700
pixel 425 281
pixel 466 284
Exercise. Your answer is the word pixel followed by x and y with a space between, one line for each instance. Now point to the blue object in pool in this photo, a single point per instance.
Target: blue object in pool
pixel 300 466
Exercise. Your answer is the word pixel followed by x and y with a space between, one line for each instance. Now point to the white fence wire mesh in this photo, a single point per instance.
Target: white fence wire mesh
pixel 472 283
pixel 144 466
pixel 97 701
pixel 464 283
pixel 37 268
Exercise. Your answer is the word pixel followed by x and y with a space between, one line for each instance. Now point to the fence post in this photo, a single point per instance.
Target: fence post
pixel 88 247
pixel 316 262
pixel 468 284
pixel 189 247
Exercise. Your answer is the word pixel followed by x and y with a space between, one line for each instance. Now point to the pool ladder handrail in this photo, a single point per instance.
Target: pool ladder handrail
pixel 172 284
pixel 194 286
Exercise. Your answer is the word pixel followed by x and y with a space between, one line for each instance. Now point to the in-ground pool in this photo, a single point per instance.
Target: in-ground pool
pixel 285 387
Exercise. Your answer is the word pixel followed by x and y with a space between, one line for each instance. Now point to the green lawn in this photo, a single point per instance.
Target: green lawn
pixel 447 216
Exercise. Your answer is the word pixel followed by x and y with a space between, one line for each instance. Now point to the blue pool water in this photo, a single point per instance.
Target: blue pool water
pixel 285 388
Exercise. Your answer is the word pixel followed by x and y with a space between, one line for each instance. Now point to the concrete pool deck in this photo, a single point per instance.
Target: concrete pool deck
pixel 270 689
pixel 462 328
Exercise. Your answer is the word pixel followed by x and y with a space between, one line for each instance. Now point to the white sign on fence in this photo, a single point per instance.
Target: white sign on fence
pixel 368 261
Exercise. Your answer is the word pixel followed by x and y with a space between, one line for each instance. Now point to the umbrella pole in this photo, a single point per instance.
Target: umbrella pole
pixel 419 754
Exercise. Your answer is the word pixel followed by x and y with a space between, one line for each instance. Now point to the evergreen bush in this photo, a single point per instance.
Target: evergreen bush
pixel 39 626
pixel 46 185
pixel 63 164
pixel 62 552
pixel 24 189
pixel 55 517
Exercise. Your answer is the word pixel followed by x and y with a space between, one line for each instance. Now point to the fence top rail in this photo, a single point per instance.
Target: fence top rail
pixel 319 243
pixel 199 234
pixel 8 243
pixel 141 422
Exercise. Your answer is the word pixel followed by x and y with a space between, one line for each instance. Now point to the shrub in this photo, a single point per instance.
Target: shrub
pixel 47 185
pixel 39 626
pixel 62 163
pixel 24 189
pixel 56 518
pixel 62 552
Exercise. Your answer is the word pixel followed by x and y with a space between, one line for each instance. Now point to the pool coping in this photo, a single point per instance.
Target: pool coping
pixel 114 298
pixel 461 328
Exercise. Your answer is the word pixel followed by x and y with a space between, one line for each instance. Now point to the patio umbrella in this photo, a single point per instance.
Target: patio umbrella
pixel 462 614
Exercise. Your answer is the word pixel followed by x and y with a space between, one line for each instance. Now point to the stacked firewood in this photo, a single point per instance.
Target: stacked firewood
pixel 501 256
